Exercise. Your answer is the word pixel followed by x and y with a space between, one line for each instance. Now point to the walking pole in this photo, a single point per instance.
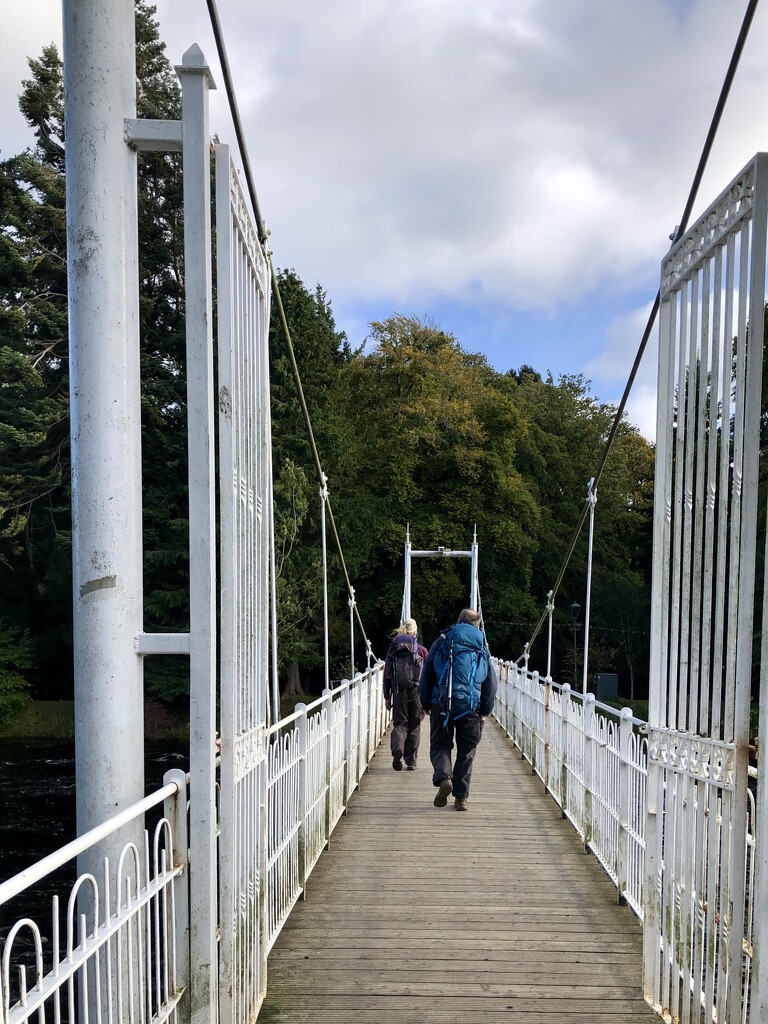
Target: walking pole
pixel 450 686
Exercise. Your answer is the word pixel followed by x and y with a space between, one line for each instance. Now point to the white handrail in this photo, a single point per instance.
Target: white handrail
pixel 35 872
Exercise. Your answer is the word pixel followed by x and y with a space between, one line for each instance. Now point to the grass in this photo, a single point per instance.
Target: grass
pixel 55 720
pixel 41 719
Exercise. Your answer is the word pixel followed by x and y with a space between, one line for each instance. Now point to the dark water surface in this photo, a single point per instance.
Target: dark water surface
pixel 37 813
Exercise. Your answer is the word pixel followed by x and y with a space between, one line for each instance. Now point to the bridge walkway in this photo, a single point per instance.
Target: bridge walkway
pixel 422 914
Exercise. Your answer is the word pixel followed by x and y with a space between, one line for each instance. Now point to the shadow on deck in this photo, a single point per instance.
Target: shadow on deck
pixel 420 914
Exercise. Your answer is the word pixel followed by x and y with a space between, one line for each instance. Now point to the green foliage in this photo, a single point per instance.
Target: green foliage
pixel 436 442
pixel 35 540
pixel 412 429
pixel 15 659
pixel 298 569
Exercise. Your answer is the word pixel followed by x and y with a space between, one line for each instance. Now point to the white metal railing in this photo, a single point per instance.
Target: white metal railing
pixel 245 501
pixel 116 951
pixel 703 615
pixel 120 950
pixel 593 760
pixel 317 757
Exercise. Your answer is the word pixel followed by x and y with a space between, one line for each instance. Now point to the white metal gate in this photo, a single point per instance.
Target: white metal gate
pixel 245 499
pixel 698 860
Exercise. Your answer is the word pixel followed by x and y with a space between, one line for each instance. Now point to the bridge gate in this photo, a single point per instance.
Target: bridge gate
pixel 699 863
pixel 243 301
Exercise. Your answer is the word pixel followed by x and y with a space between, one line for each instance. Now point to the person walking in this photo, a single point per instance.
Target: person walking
pixel 457 690
pixel 402 670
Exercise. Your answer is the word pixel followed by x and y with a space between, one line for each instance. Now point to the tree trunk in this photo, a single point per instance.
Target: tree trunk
pixel 293 687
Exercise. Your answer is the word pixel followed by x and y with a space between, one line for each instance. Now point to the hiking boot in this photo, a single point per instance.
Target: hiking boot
pixel 397 761
pixel 411 767
pixel 445 790
pixel 459 804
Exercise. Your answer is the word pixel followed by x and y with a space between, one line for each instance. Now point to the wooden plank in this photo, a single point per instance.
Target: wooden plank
pixel 375 957
pixel 420 913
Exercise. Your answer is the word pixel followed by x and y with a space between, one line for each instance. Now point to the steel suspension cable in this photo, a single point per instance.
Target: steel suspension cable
pixel 263 237
pixel 676 236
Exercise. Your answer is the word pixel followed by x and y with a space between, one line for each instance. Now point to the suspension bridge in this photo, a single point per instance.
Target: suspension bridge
pixel 610 868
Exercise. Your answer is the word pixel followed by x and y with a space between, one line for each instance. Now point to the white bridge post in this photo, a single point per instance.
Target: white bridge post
pixel 102 267
pixel 406 612
pixel 440 552
pixel 196 81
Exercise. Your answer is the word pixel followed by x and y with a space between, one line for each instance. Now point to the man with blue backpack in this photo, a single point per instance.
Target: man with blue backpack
pixel 457 689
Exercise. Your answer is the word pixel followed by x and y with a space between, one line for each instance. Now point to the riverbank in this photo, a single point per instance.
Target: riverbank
pixel 55 720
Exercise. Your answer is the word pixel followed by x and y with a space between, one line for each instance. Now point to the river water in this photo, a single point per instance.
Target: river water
pixel 37 796
pixel 37 814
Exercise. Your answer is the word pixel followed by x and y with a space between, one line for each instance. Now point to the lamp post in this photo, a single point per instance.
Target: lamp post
pixel 575 609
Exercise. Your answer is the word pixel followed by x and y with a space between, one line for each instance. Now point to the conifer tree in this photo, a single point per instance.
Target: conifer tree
pixel 35 546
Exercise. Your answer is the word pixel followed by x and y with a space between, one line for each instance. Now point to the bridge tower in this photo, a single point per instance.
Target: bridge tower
pixel 440 552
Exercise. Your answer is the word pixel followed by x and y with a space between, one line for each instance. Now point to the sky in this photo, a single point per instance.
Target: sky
pixel 509 169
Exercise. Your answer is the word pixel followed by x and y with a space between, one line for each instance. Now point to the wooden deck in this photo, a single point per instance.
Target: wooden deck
pixel 420 914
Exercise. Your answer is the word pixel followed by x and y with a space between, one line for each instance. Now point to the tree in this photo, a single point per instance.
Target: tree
pixel 35 558
pixel 321 352
pixel 14 660
pixel 34 514
pixel 436 443
pixel 557 456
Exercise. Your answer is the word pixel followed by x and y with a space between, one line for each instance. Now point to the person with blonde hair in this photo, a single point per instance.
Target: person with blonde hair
pixel 402 671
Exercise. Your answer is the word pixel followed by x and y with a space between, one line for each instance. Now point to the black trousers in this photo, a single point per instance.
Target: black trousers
pixel 407 714
pixel 467 730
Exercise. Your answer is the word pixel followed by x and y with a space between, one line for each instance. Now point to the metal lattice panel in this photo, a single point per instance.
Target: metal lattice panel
pixel 710 377
pixel 245 492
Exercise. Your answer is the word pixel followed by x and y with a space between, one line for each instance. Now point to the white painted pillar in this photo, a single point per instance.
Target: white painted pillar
pixel 473 586
pixel 102 266
pixel 588 708
pixel 195 82
pixel 351 603
pixel 326 638
pixel 565 706
pixel 625 781
pixel 406 613
pixel 592 499
pixel 275 692
pixel 302 728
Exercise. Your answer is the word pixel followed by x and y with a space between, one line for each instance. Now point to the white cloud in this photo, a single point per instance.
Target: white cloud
pixel 610 370
pixel 641 409
pixel 408 150
pixel 27 28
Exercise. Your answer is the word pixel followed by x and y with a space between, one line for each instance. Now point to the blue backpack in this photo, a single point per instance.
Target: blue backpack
pixel 461 666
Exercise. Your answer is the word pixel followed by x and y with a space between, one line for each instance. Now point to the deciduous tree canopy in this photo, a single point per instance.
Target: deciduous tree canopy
pixel 412 429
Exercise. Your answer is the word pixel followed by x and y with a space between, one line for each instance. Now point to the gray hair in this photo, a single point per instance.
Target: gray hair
pixel 471 617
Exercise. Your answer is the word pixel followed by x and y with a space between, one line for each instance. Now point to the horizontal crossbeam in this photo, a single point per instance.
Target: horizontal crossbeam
pixel 151 135
pixel 441 553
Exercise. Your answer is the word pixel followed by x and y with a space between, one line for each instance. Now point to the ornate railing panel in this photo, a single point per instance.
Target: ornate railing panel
pixel 115 947
pixel 597 769
pixel 243 301
pixel 705 540
pixel 594 767
pixel 317 757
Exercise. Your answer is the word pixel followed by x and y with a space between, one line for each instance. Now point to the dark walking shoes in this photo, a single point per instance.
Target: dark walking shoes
pixel 397 761
pixel 445 790
pixel 460 805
